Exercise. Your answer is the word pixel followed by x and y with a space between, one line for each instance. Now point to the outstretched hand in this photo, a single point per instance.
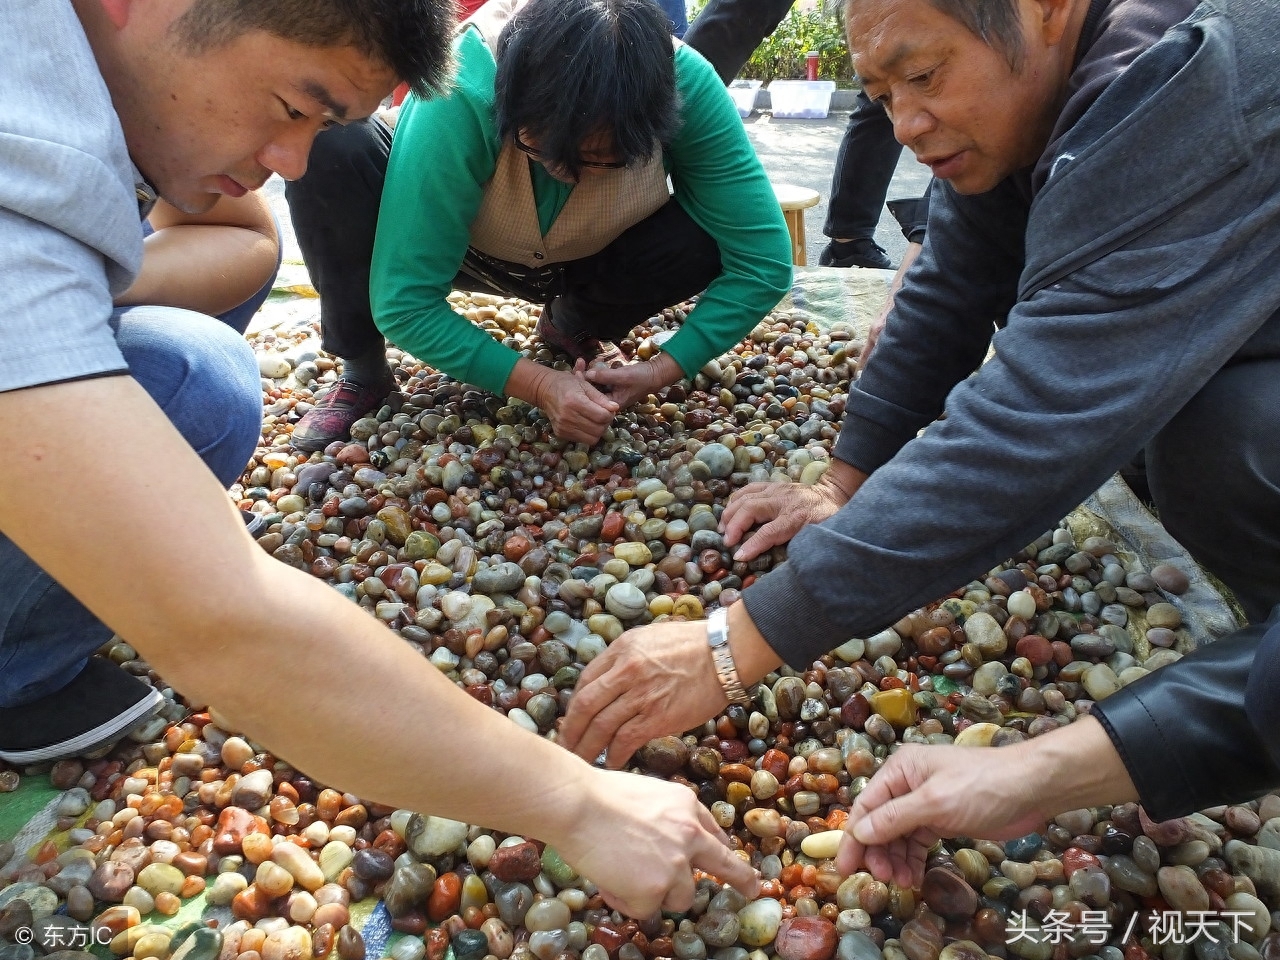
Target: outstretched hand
pixel 642 840
pixel 781 509
pixel 922 794
pixel 650 682
pixel 631 383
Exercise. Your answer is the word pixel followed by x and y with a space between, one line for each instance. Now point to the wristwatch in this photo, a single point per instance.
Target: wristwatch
pixel 722 656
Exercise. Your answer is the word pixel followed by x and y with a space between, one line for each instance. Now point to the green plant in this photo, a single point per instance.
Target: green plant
pixel 781 55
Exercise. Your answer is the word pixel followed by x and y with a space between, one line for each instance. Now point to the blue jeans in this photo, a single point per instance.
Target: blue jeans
pixel 237 318
pixel 205 378
pixel 676 16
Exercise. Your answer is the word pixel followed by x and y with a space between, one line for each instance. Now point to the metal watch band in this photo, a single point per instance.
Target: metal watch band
pixel 722 657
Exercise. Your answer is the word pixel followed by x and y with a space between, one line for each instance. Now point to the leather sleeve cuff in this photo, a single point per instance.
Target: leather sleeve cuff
pixel 1184 735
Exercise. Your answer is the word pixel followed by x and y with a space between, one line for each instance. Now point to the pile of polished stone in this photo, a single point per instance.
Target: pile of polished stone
pixel 510 560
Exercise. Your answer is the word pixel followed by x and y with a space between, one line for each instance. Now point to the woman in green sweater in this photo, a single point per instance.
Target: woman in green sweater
pixel 542 174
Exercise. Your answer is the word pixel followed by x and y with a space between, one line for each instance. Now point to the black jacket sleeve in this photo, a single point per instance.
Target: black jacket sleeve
pixel 1205 730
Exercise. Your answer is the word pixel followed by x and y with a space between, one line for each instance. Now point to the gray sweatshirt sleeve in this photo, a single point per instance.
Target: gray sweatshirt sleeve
pixel 963 282
pixel 1143 294
pixel 70 234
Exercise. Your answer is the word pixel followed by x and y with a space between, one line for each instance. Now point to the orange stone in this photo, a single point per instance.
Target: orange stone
pixel 446 897
pixel 234 824
pixel 251 904
pixel 516 546
pixel 257 847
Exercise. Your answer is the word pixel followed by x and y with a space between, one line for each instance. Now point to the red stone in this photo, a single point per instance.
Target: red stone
pixel 776 762
pixel 516 546
pixel 486 458
pixel 413 922
pixel 353 453
pixel 437 941
pixel 105 786
pixel 390 843
pixel 948 895
pixel 612 527
pixel 806 938
pixel 482 692
pixel 855 711
pixel 520 862
pixel 1073 859
pixel 1036 649
pixel 609 937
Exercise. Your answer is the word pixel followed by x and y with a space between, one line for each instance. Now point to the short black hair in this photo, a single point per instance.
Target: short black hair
pixel 571 69
pixel 411 37
pixel 995 22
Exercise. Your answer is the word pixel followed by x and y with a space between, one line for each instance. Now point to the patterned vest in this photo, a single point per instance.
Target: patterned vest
pixel 600 207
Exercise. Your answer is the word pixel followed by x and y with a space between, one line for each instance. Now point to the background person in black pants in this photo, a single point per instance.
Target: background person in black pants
pixel 727 32
pixel 865 164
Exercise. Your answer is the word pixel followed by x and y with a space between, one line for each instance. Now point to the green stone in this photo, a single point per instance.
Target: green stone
pixel 943 685
pixel 200 943
pixel 421 545
pixel 565 678
pixel 559 872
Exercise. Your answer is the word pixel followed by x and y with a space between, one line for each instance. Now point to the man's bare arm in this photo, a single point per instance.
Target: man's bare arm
pixel 300 668
pixel 209 262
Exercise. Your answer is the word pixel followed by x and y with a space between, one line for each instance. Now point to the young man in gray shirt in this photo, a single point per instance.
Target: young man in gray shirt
pixel 120 429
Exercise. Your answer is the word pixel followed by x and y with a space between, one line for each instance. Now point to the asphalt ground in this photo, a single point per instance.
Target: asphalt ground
pixel 803 152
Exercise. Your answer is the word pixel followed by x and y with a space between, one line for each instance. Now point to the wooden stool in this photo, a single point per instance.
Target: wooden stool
pixel 794 201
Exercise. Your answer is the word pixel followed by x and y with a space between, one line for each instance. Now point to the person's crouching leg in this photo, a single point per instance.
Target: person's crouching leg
pixel 56 698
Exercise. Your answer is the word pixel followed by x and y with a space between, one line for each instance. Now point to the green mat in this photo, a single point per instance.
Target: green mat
pixel 18 809
pixel 27 817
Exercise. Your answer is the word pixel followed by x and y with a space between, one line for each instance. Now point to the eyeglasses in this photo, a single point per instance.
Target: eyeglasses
pixel 533 154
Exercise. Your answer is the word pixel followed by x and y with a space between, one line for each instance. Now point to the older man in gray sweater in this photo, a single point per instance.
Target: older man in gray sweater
pixel 1107 217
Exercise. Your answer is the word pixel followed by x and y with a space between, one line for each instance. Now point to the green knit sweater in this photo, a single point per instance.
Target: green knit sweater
pixel 446 149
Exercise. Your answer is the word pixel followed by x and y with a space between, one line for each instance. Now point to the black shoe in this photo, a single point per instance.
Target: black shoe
pixel 99 706
pixel 855 253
